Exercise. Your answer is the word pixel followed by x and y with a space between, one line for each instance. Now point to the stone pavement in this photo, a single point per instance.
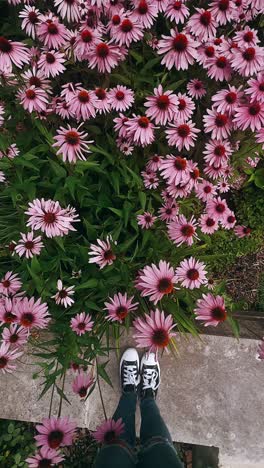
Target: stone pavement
pixel 211 394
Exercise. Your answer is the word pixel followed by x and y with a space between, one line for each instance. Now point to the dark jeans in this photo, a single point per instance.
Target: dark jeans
pixel 157 449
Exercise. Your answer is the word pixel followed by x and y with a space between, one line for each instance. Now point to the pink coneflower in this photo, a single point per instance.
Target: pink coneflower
pixel 11 152
pixel 181 190
pixel 208 224
pixel 206 52
pixel 35 77
pixel 175 169
pixel 242 231
pixel 44 457
pixel 2 176
pixel 31 314
pixel 109 432
pixel 229 221
pixel 50 217
pixel 162 106
pixel 102 254
pixel 33 99
pixel 63 295
pixel 145 13
pixel 121 98
pixel 247 36
pixel 51 63
pixel 154 163
pixel 250 115
pixel 82 323
pixel 227 100
pixel 129 30
pixel 150 179
pixel 12 53
pixel 146 220
pixel 217 208
pixel 104 56
pixel 219 124
pixel 6 358
pixel 28 245
pixel 260 137
pixel 191 273
pixel 84 41
pixel 223 186
pixel 179 49
pixel 2 113
pixel 176 11
pixel 82 382
pixel 216 171
pixel 103 102
pixel 83 104
pixel 222 10
pixel 217 152
pixel 120 125
pixel 169 211
pixel 140 129
pixel 53 34
pixel 72 143
pixel 68 9
pixel 10 284
pixel 126 148
pixel 154 331
pixel 185 108
pixel 7 311
pixel 30 19
pixel 156 281
pixel 182 135
pixel 219 68
pixel 211 309
pixel 248 61
pixel 55 432
pixel 119 307
pixel 182 231
pixel 202 24
pixel 15 335
pixel 205 190
pixel 196 88
pixel 256 88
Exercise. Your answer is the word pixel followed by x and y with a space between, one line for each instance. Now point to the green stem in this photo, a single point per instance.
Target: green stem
pixel 63 383
pixel 52 392
pixel 99 388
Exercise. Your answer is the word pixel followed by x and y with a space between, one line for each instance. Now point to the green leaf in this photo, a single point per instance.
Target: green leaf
pixel 102 372
pixel 10 428
pixel 57 169
pixel 142 198
pixel 259 178
pixel 136 56
pixel 116 211
pixel 91 283
pixel 17 458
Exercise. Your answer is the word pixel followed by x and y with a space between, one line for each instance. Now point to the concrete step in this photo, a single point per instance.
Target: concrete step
pixel 211 394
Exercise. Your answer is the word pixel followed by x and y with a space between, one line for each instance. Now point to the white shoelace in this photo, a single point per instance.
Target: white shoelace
pixel 150 379
pixel 130 375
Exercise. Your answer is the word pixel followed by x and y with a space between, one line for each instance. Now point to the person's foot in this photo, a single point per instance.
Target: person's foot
pixel 129 370
pixel 150 375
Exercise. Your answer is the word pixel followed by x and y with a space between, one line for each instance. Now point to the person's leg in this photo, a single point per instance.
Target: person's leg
pixel 120 453
pixel 126 410
pixel 157 444
pixel 115 456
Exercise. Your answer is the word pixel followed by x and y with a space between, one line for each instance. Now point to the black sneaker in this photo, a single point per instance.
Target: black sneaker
pixel 150 376
pixel 129 370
